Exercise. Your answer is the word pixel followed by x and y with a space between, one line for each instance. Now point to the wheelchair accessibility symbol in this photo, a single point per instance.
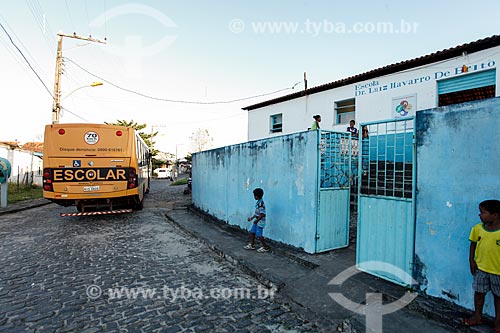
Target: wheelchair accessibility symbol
pixel 77 163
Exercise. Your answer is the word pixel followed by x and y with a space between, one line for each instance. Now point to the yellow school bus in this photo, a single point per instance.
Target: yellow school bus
pixel 95 167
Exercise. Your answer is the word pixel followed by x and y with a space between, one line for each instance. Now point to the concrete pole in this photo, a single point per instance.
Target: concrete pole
pixel 3 194
pixel 56 105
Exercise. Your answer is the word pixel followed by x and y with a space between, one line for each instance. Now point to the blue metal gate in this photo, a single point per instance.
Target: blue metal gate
pixel 386 199
pixel 335 156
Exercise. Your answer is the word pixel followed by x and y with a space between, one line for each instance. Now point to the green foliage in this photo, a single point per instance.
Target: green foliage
pixel 18 193
pixel 180 181
pixel 148 138
pixel 156 163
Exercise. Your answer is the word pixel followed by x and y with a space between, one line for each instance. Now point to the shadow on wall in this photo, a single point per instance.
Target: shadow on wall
pixel 458 155
pixel 286 167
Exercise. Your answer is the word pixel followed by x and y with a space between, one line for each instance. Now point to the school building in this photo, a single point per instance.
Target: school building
pixel 419 175
pixel 451 76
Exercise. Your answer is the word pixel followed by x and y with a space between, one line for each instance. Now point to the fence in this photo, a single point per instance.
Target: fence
pixel 27 167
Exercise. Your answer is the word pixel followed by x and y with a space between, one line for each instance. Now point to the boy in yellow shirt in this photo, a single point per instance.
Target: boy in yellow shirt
pixel 484 259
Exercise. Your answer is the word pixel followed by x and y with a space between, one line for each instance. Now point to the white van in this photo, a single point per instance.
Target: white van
pixel 163 173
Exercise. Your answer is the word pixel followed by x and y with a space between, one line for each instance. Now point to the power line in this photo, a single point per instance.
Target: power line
pixel 42 23
pixel 74 114
pixel 105 20
pixel 69 15
pixel 175 100
pixel 87 12
pixel 21 52
pixel 26 50
pixel 12 52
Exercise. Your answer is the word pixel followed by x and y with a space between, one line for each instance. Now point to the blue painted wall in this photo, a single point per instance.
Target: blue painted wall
pixel 285 167
pixel 458 163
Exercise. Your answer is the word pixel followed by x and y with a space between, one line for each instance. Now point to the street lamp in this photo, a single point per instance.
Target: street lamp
pixel 56 108
pixel 93 84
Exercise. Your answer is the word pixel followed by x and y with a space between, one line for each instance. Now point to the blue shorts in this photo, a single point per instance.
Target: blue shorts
pixel 256 230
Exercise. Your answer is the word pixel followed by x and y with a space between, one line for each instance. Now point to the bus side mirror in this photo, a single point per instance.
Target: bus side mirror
pixel 5 169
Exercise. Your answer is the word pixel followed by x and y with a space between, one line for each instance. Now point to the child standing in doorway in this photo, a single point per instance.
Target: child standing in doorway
pixel 259 223
pixel 484 260
pixel 353 130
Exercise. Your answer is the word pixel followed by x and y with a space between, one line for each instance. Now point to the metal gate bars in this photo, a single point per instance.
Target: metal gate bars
pixel 335 177
pixel 386 199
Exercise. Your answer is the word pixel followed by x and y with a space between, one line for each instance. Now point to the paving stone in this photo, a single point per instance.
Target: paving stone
pixel 11 307
pixel 112 317
pixel 91 330
pixel 111 326
pixel 126 321
pixel 76 326
pixel 172 329
pixel 46 280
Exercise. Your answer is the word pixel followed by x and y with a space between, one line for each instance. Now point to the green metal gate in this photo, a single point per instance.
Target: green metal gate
pixel 335 156
pixel 386 199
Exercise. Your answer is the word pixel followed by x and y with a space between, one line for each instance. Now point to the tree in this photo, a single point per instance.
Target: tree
pixel 200 140
pixel 148 138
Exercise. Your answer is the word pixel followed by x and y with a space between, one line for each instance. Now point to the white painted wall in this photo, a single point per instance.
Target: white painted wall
pixel 371 105
pixel 24 164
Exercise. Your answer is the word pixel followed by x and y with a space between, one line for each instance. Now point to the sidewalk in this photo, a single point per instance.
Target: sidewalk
pixel 304 279
pixel 23 205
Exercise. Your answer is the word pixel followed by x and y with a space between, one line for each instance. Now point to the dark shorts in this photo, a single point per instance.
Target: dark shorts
pixel 484 282
pixel 258 231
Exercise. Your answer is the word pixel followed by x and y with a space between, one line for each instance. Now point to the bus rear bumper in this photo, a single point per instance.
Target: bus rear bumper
pixel 100 204
pixel 104 212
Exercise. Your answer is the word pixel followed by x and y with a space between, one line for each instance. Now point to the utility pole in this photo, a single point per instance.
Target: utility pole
pixel 56 106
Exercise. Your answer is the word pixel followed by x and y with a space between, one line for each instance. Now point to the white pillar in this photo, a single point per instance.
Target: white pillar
pixel 3 194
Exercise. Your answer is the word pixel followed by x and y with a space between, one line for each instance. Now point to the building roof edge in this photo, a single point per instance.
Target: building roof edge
pixel 472 47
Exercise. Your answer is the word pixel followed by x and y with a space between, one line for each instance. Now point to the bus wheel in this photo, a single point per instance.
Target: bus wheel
pixel 79 207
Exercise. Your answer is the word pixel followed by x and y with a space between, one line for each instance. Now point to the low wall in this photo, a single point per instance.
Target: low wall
pixel 285 167
pixel 458 159
pixel 27 168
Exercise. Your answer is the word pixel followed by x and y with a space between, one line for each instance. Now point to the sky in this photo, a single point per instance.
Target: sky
pixel 199 52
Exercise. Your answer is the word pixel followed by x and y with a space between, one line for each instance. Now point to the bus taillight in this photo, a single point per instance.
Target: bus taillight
pixel 47 180
pixel 133 181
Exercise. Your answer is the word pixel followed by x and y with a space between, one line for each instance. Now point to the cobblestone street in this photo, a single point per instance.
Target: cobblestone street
pixel 126 273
